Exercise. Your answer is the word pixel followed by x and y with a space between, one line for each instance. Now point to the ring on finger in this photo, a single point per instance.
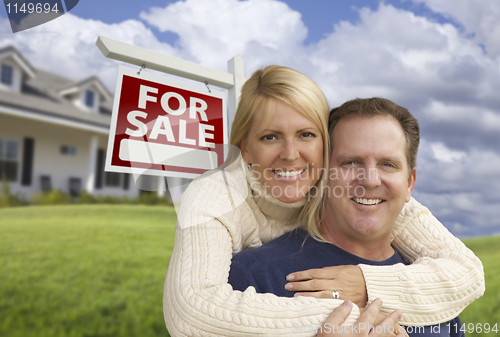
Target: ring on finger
pixel 335 294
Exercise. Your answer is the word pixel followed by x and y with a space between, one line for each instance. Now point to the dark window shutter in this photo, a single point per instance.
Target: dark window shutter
pixel 99 168
pixel 27 171
pixel 126 178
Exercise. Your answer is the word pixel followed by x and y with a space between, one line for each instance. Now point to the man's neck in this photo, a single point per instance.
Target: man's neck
pixel 379 249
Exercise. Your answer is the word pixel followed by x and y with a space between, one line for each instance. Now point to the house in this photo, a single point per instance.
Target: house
pixel 54 132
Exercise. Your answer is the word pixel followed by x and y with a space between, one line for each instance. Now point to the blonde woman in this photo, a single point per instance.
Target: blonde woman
pixel 274 186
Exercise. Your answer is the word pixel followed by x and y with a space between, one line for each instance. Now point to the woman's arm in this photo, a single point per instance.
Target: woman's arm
pixel 443 278
pixel 198 301
pixel 369 323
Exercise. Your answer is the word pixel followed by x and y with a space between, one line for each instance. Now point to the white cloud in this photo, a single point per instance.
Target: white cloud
pixel 396 54
pixel 479 18
pixel 463 190
pixel 442 153
pixel 211 32
pixel 484 118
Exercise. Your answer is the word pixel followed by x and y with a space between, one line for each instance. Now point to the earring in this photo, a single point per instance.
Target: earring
pixel 249 167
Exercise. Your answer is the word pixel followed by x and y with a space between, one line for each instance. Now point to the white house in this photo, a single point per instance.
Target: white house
pixel 54 132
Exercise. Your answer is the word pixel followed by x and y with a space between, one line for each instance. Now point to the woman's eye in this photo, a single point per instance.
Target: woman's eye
pixel 268 137
pixel 349 163
pixel 308 135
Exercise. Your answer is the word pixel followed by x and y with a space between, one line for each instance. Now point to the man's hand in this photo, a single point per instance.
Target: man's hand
pixel 347 280
pixel 380 317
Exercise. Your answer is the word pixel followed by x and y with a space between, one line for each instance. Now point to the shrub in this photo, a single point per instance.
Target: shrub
pixel 7 199
pixel 53 197
pixel 146 198
pixel 108 199
pixel 85 197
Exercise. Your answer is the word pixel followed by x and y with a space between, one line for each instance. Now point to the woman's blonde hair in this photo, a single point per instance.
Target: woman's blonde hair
pixel 277 83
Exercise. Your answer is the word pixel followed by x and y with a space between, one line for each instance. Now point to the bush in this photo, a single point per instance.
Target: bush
pixel 58 197
pixel 53 197
pixel 108 199
pixel 146 198
pixel 7 199
pixel 85 197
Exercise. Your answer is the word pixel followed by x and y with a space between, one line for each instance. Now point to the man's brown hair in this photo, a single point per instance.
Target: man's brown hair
pixel 369 107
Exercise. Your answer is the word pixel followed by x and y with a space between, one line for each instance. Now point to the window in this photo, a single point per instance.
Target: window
pixel 89 98
pixel 68 150
pixel 9 150
pixel 7 74
pixel 107 179
pixel 112 179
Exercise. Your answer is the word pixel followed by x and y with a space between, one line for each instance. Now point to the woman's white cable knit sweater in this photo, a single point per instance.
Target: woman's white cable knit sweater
pixel 221 215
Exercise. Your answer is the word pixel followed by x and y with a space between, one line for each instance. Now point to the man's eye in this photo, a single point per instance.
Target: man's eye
pixel 390 165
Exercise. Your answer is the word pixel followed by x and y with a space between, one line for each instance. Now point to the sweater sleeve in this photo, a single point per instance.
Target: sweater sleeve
pixel 443 278
pixel 197 299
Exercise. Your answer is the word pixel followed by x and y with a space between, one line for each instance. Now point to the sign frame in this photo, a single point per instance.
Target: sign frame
pixel 168 81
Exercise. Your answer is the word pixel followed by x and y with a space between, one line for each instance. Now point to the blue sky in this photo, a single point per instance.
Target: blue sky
pixel 318 15
pixel 438 58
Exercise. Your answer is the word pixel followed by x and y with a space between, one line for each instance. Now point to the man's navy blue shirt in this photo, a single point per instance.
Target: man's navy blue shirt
pixel 265 268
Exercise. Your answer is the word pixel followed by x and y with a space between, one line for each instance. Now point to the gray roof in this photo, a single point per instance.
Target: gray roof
pixel 41 94
pixel 85 81
pixel 23 59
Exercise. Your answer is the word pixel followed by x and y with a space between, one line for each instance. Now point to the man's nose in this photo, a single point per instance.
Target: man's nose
pixel 370 179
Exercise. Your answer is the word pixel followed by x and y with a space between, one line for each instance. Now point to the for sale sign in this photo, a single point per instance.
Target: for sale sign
pixel 165 127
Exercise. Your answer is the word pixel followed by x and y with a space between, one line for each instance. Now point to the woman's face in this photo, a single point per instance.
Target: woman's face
pixel 287 156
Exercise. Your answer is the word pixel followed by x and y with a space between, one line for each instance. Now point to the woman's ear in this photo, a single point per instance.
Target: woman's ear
pixel 244 151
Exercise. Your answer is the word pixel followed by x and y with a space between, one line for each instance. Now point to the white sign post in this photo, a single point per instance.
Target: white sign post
pixel 232 80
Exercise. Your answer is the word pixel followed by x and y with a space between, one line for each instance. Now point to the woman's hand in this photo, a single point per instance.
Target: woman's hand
pixel 347 280
pixel 364 326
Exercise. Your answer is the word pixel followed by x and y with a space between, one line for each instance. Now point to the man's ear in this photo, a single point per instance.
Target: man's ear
pixel 411 183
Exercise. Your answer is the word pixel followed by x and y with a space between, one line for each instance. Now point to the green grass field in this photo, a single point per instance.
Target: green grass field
pixel 84 270
pixel 487 308
pixel 98 271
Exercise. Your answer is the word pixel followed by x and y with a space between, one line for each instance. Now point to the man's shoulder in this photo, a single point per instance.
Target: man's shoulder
pixel 283 246
pixel 265 268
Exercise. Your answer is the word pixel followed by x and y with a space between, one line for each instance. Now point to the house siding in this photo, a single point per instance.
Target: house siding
pixel 48 159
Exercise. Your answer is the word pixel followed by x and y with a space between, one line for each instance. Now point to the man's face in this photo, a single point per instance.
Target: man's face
pixel 369 178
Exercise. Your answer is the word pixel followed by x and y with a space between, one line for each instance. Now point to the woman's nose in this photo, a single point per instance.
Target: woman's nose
pixel 290 151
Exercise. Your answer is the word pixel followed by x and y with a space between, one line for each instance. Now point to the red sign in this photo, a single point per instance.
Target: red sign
pixel 165 127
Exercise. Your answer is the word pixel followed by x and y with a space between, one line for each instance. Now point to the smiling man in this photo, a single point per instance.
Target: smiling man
pixel 372 175
pixel 374 152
